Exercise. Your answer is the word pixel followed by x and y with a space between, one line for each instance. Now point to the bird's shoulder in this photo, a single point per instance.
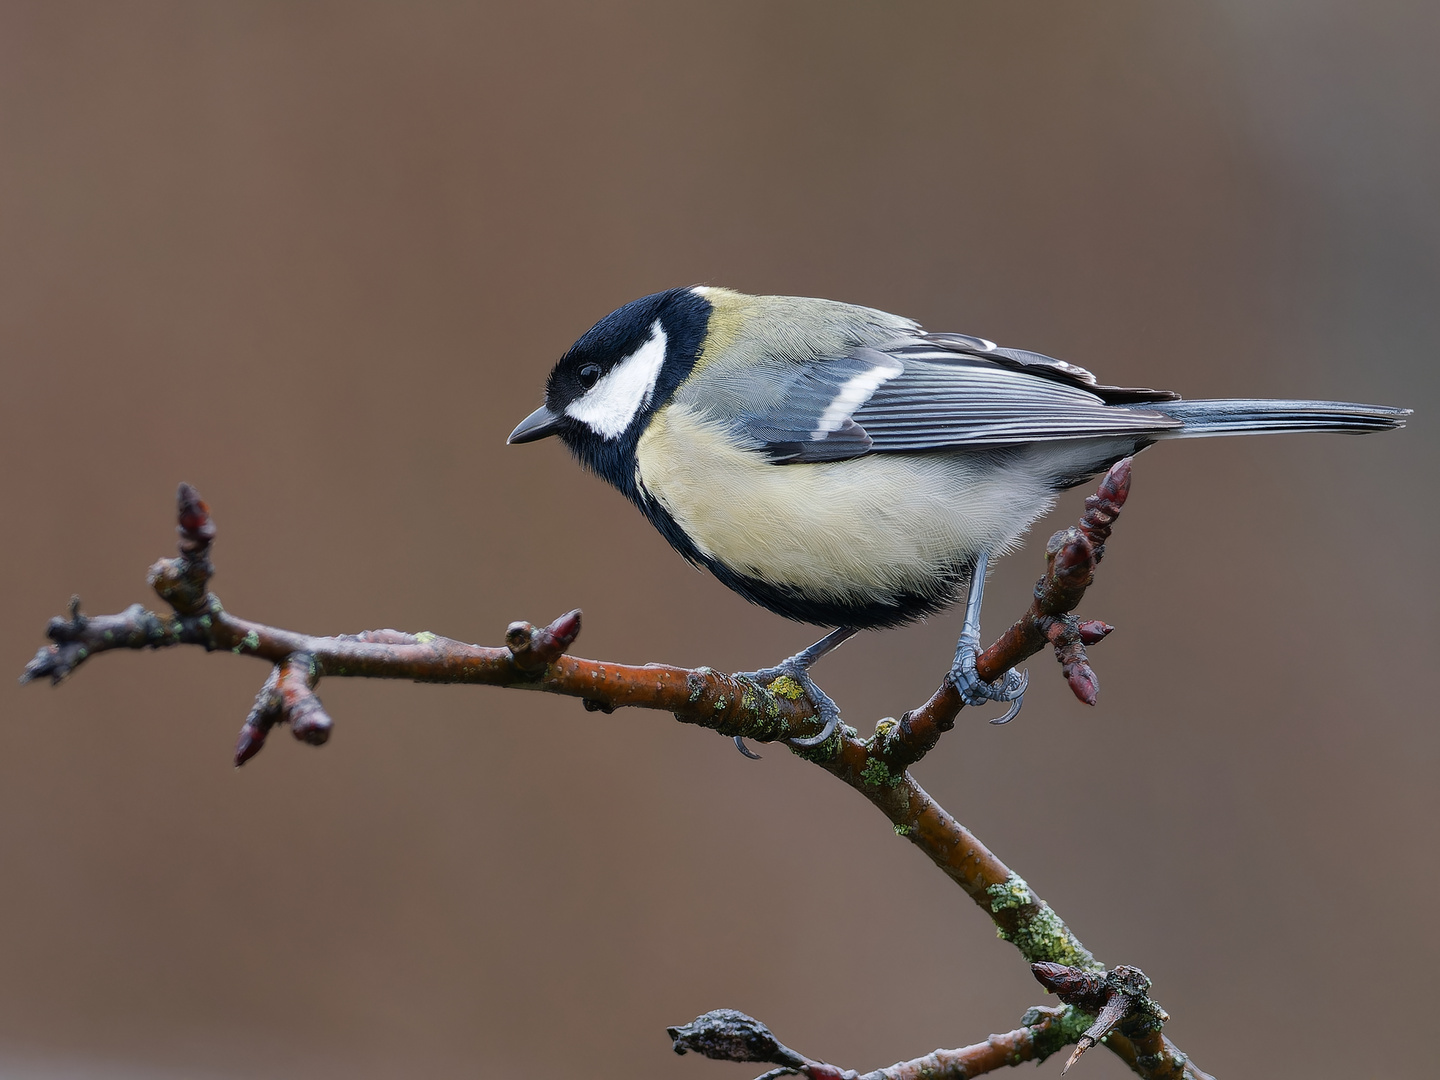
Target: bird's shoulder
pixel 748 331
pixel 756 347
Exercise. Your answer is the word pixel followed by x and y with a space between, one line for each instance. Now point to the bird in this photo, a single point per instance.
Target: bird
pixel 841 466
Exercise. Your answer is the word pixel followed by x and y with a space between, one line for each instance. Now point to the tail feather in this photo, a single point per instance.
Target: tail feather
pixel 1255 416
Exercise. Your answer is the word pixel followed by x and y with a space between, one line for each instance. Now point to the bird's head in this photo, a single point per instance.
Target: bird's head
pixel 604 390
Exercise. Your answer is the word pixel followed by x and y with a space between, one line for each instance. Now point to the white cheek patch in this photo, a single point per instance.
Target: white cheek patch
pixel 609 406
pixel 852 395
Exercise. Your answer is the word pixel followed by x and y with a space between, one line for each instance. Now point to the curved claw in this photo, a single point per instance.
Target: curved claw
pixel 1015 706
pixel 831 723
pixel 740 745
pixel 974 691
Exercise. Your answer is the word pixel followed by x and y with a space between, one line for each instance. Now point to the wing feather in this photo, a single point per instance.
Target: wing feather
pixel 938 392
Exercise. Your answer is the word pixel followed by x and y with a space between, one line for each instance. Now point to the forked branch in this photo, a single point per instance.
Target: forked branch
pixel 536 658
pixel 1120 998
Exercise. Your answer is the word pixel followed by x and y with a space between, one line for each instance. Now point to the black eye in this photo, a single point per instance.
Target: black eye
pixel 589 375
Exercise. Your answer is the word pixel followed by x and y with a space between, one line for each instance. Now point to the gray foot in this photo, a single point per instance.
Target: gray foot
pixel 973 689
pixel 797 667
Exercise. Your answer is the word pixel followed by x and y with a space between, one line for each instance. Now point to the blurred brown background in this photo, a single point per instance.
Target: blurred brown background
pixel 317 259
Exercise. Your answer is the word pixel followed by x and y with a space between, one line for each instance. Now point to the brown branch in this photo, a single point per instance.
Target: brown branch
pixel 1111 1007
pixel 536 659
pixel 728 1035
pixel 531 659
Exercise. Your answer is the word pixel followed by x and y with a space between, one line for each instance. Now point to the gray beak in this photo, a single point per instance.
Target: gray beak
pixel 539 424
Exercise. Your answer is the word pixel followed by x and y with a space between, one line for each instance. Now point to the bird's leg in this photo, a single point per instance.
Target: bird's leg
pixel 797 667
pixel 974 690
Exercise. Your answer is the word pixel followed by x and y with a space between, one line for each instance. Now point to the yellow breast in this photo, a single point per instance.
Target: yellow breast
pixel 864 530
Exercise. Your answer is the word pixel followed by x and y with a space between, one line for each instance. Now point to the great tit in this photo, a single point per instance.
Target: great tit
pixel 841 466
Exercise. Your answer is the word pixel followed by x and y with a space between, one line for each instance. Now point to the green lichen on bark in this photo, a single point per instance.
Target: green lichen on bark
pixel 878 774
pixel 758 716
pixel 1038 932
pixel 1064 1029
pixel 786 687
pixel 884 737
pixel 250 641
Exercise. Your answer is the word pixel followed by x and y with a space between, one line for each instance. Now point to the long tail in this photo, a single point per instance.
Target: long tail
pixel 1254 416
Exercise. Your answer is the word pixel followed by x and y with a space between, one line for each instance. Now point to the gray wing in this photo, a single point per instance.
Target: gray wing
pixel 813 419
pixel 1044 366
pixel 938 391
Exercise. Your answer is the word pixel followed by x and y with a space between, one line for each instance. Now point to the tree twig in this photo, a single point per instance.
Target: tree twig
pixel 536 658
pixel 729 1035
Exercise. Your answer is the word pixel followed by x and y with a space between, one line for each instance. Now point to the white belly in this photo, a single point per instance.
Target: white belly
pixel 866 529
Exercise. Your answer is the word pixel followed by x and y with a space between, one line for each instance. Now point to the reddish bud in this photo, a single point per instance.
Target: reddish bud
pixel 1102 508
pixel 1115 488
pixel 1082 682
pixel 309 722
pixel 564 630
pixel 194 515
pixel 533 650
pixel 1093 630
pixel 1074 986
pixel 252 739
